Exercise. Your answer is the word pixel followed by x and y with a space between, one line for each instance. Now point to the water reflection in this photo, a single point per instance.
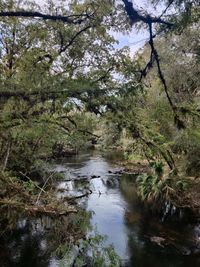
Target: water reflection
pixel 117 213
pixel 25 244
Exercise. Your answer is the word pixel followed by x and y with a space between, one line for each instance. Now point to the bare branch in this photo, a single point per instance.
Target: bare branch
pixel 167 7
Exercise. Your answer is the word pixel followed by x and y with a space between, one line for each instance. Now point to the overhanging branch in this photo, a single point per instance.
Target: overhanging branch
pixel 180 124
pixel 71 19
pixel 135 16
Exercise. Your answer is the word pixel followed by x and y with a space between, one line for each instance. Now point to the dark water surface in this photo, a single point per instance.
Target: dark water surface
pixel 117 214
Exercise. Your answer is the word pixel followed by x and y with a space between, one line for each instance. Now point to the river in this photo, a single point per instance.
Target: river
pixel 118 214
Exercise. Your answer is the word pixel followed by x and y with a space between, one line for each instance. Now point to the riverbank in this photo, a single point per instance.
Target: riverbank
pixel 117 209
pixel 112 207
pixel 181 191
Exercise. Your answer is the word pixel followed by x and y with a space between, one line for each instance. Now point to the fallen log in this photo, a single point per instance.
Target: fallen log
pixel 78 197
pixel 36 209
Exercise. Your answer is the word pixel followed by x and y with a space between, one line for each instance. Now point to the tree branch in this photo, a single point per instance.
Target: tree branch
pixel 177 120
pixel 29 14
pixel 64 48
pixel 135 16
pixel 45 95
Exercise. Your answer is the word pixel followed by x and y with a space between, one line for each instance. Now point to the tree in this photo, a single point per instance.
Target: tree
pixel 47 76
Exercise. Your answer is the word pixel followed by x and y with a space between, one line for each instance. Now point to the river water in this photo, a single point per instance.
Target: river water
pixel 118 214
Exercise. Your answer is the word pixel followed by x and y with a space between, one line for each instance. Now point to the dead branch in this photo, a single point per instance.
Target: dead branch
pixel 85 178
pixel 32 209
pixel 35 184
pixel 42 189
pixel 15 196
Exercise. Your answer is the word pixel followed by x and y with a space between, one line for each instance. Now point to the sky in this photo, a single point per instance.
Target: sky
pixel 136 40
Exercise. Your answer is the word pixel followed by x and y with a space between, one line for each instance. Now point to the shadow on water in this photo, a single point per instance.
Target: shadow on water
pixel 141 239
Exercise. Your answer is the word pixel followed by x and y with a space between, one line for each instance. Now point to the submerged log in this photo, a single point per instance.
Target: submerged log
pixel 72 199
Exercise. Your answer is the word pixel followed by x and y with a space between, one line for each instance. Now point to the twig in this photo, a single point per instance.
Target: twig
pixel 35 184
pixel 48 210
pixel 42 189
pixel 167 7
pixel 7 156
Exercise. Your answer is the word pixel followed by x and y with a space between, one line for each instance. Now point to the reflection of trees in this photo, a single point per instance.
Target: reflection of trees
pixel 143 253
pixel 111 182
pixel 141 225
pixel 23 246
pixel 33 242
pixel 128 191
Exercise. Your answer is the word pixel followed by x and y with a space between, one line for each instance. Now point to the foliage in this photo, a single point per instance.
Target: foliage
pixel 158 187
pixel 64 82
pixel 45 87
pixel 49 82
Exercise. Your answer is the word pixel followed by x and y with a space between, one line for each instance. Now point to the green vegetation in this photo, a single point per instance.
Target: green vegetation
pixel 157 187
pixel 65 86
